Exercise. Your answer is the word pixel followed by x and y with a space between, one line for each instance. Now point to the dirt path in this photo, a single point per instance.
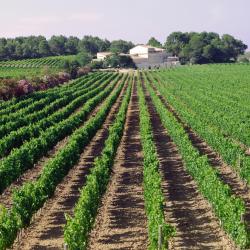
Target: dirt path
pixel 185 208
pixel 33 173
pixel 46 230
pixel 121 222
pixel 226 173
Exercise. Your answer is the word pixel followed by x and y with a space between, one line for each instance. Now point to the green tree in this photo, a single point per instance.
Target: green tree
pixel 83 58
pixel 71 67
pixel 154 43
pixel 121 46
pixel 175 42
pixel 18 51
pixel 233 47
pixel 43 48
pixel 57 45
pixel 204 47
pixel 119 61
pixel 71 45
pixel 88 45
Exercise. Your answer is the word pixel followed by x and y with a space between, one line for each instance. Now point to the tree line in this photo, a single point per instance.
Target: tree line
pixel 39 46
pixel 204 47
pixel 192 47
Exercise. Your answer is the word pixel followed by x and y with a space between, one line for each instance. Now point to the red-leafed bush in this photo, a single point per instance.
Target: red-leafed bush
pixel 63 77
pixel 83 71
pixel 23 87
pixel 15 88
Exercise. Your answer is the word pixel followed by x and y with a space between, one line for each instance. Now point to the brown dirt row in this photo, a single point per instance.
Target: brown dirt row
pixel 46 229
pixel 226 173
pixel 33 173
pixel 121 222
pixel 185 208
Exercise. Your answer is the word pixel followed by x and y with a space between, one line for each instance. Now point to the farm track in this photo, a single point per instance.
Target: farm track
pixel 121 222
pixel 46 230
pixel 185 208
pixel 226 173
pixel 33 173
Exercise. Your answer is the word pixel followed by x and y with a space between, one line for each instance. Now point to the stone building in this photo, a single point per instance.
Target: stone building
pixel 145 56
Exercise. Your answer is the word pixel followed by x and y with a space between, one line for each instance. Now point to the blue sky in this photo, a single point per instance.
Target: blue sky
pixel 135 20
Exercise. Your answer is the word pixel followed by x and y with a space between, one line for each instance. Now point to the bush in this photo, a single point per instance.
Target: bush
pixel 96 65
pixel 15 88
pixel 119 61
pixel 83 71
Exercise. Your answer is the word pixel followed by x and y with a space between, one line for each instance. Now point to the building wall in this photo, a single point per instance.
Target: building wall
pixel 139 50
pixel 102 56
pixel 147 65
pixel 159 57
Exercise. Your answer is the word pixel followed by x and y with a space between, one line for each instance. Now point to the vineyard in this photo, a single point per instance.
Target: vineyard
pixel 52 62
pixel 156 159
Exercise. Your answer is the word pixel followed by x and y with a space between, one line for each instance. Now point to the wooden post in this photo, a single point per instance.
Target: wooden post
pixel 160 237
pixel 65 247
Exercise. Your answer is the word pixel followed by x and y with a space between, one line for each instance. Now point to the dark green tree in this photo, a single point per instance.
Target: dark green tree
pixel 71 45
pixel 119 61
pixel 57 45
pixel 204 47
pixel 176 42
pixel 121 46
pixel 83 58
pixel 43 48
pixel 154 43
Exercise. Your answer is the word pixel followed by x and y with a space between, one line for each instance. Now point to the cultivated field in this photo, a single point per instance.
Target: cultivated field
pixel 139 160
pixel 52 62
pixel 28 68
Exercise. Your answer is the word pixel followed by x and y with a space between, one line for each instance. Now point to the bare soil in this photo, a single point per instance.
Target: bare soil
pixel 121 222
pixel 185 208
pixel 46 229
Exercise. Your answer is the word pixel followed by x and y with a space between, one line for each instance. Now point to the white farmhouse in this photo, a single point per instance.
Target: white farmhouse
pixel 145 56
pixel 103 55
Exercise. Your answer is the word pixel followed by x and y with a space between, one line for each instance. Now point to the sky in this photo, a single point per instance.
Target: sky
pixel 133 20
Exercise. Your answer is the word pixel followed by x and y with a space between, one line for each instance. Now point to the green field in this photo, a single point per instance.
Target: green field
pixel 21 73
pixel 165 151
pixel 29 68
pixel 52 62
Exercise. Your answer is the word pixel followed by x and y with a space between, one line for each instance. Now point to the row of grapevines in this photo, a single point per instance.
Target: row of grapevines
pixel 35 106
pixel 32 195
pixel 78 227
pixel 24 134
pixel 16 103
pixel 24 120
pixel 230 81
pixel 154 198
pixel 227 207
pixel 53 61
pixel 19 103
pixel 24 157
pixel 230 152
pixel 218 110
